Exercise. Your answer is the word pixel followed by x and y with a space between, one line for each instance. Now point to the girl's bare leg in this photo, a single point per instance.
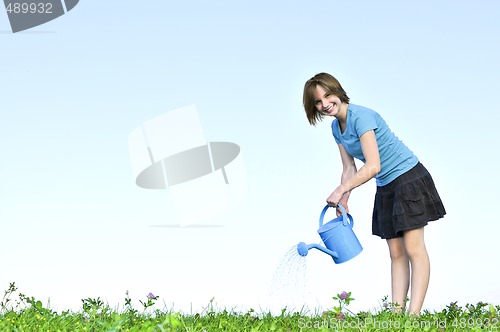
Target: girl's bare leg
pixel 400 272
pixel 420 267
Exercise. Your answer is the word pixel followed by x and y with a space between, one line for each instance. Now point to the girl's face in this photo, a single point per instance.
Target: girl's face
pixel 326 103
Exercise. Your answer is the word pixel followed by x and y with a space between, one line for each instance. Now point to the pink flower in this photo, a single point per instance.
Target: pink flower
pixel 151 296
pixel 343 296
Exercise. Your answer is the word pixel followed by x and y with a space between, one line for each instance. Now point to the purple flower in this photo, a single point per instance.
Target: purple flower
pixel 385 304
pixel 343 296
pixel 340 316
pixel 151 296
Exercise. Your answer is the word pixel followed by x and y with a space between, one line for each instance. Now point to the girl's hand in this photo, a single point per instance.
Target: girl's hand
pixel 338 197
pixel 335 197
pixel 343 201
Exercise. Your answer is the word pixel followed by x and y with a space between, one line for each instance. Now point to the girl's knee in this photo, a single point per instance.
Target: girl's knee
pixel 396 249
pixel 414 243
pixel 416 252
pixel 398 254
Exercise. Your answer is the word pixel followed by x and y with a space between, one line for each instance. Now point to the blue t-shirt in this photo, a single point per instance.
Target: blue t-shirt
pixel 395 157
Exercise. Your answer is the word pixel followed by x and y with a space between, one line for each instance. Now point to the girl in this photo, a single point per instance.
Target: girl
pixel 406 198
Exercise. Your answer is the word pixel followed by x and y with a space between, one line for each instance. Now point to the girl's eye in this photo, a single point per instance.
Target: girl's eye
pixel 317 102
pixel 327 95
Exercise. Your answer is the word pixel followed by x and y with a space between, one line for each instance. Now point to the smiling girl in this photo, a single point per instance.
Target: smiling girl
pixel 406 198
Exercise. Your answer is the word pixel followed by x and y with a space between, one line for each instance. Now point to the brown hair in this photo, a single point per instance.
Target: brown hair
pixel 327 82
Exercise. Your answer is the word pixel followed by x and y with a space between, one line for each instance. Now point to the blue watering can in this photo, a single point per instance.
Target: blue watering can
pixel 340 241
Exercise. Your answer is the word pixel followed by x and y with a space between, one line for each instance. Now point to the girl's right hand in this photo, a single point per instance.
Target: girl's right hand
pixel 338 196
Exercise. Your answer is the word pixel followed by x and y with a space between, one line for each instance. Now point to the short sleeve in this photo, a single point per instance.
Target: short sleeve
pixel 365 120
pixel 335 131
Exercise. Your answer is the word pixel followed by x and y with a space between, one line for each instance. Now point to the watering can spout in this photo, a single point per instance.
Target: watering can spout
pixel 303 249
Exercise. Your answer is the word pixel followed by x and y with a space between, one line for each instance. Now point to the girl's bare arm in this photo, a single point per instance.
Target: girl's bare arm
pixel 366 172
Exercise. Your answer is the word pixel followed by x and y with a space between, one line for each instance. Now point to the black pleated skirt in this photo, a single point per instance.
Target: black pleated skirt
pixel 408 202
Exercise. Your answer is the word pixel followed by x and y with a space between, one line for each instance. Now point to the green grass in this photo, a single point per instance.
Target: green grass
pixel 19 312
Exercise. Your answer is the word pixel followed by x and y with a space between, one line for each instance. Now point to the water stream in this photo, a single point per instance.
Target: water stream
pixel 288 286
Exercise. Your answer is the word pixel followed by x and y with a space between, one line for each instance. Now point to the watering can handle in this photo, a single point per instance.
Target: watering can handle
pixel 345 219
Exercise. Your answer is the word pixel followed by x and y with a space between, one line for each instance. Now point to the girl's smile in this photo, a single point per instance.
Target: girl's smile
pixel 326 103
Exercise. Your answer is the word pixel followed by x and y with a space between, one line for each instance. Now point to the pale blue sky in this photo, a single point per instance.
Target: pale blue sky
pixel 74 225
